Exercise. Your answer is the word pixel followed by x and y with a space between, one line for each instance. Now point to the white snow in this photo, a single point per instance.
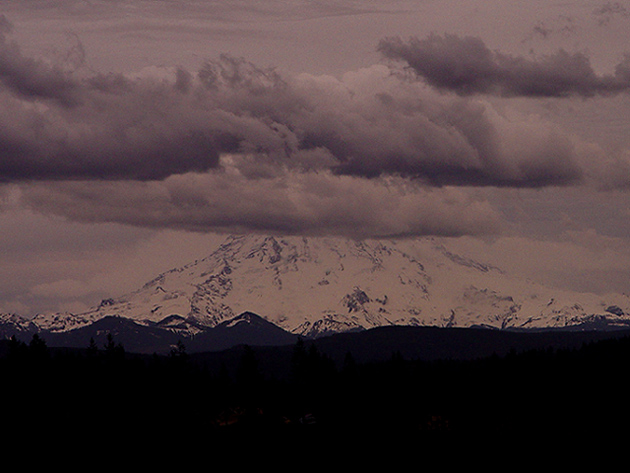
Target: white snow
pixel 331 284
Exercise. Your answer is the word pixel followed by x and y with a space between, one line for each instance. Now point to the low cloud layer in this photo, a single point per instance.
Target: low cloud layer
pixel 295 203
pixel 465 65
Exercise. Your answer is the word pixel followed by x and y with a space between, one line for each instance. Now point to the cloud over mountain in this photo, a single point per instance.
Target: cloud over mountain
pixel 238 146
pixel 294 203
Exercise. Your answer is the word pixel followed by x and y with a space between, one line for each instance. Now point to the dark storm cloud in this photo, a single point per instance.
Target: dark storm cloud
pixel 465 65
pixel 30 78
pixel 370 124
pixel 233 146
pixel 117 128
pixel 443 143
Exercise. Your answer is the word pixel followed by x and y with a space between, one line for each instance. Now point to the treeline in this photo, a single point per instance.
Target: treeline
pixel 105 389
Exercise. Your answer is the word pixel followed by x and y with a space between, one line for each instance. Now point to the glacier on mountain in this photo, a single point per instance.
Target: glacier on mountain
pixel 312 286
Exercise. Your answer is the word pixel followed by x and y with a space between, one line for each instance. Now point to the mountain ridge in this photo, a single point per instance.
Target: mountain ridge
pixel 317 286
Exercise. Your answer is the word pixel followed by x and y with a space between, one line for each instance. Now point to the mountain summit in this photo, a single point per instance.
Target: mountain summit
pixel 321 285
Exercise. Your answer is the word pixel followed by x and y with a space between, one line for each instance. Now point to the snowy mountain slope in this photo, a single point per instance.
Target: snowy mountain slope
pixel 14 324
pixel 316 286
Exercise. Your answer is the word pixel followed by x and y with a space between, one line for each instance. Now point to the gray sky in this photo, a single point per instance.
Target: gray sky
pixel 135 133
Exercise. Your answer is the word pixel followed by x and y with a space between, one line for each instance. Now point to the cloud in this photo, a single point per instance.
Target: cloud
pixel 120 128
pixel 561 25
pixel 465 65
pixel 31 78
pixel 375 124
pixel 369 123
pixel 234 146
pixel 292 203
pixel 610 10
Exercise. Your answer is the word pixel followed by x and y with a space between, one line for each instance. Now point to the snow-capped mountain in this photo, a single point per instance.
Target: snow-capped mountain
pixel 315 286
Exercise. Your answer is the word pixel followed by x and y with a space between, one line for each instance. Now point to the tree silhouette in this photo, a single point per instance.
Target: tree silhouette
pixel 17 349
pixel 349 367
pixel 37 349
pixel 299 362
pixel 92 349
pixel 178 352
pixel 248 374
pixel 113 350
pixel 110 345
pixel 37 343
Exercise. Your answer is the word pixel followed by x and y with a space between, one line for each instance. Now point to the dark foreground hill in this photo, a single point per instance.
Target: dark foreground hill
pixel 246 328
pixel 334 387
pixel 434 343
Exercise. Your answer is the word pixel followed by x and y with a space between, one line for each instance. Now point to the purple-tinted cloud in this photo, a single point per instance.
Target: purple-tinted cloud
pixel 30 78
pixel 610 10
pixel 238 147
pixel 148 129
pixel 293 203
pixel 465 65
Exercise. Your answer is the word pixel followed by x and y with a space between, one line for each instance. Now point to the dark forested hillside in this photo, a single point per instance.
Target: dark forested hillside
pixel 303 389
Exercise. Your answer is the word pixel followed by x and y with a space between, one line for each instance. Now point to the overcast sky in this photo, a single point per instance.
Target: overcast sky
pixel 133 134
